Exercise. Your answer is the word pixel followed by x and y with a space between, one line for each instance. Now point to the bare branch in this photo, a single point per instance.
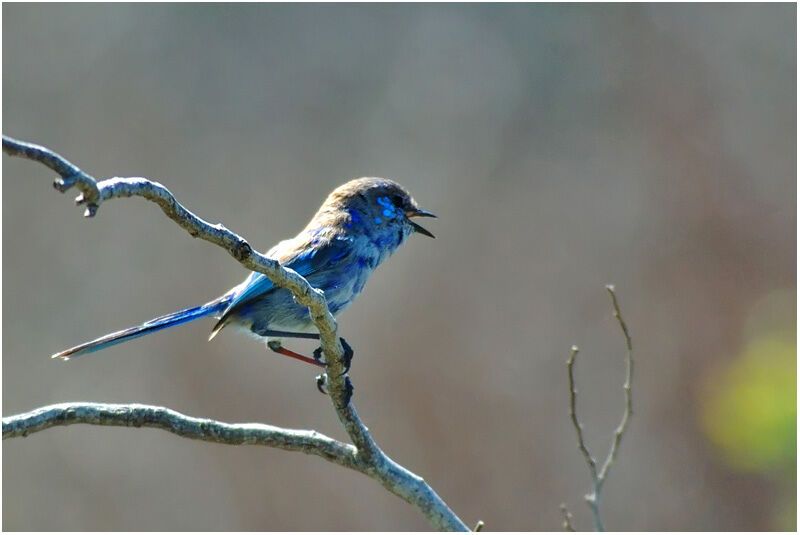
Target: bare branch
pixel 598 479
pixel 136 415
pixel 392 476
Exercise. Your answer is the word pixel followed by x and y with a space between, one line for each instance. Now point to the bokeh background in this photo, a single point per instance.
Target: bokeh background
pixel 563 147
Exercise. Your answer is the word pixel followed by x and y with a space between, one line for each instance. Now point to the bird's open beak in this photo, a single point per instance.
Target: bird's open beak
pixel 417 227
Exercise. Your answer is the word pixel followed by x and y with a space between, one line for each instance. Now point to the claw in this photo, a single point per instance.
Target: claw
pixel 348 354
pixel 318 356
pixel 322 380
pixel 348 386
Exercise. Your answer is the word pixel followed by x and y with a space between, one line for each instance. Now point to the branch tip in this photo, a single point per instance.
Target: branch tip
pixel 567 524
pixel 599 477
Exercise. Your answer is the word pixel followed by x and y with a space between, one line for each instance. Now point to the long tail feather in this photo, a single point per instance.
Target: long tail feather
pixel 156 324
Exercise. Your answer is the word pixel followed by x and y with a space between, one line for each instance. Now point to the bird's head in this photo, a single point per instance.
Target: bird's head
pixel 378 204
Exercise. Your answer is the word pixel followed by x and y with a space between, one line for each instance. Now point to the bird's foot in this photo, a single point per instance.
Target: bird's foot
pixel 318 356
pixel 348 391
pixel 322 386
pixel 322 383
pixel 347 357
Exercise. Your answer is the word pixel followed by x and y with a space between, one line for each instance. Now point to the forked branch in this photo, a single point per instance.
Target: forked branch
pixel 365 455
pixel 599 477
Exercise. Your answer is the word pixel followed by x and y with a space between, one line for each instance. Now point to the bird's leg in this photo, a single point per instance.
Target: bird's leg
pixel 275 345
pixel 322 379
pixel 288 334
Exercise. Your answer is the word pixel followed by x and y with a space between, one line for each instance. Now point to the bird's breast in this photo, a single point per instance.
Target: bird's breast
pixel 343 284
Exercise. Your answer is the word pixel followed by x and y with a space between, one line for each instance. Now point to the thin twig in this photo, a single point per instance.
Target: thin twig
pixel 392 476
pixel 479 526
pixel 567 524
pixel 626 416
pixel 573 414
pixel 598 479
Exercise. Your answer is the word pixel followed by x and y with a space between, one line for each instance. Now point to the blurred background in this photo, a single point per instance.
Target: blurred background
pixel 562 146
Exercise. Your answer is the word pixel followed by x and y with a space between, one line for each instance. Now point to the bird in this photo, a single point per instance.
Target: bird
pixel 360 224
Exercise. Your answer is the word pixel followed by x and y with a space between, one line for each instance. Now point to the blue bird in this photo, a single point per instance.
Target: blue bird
pixel 358 226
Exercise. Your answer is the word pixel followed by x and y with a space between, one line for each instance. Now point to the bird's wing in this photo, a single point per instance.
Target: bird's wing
pixel 308 260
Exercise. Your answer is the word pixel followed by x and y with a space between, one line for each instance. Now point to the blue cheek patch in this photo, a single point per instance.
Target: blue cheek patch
pixel 390 210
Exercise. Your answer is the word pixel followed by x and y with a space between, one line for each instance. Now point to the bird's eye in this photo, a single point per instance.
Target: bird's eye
pixel 397 200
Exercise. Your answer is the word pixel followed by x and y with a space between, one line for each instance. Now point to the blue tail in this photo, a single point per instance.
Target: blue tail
pixel 156 324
